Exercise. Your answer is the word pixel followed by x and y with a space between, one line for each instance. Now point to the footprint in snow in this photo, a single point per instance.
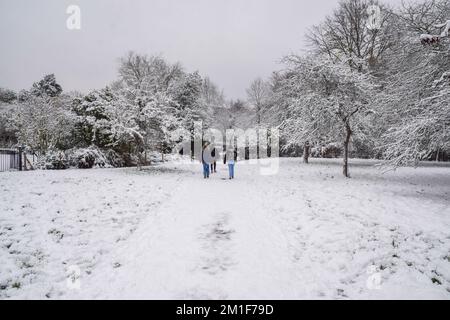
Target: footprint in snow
pixel 215 243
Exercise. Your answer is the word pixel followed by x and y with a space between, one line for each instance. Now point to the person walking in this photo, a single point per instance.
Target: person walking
pixel 214 162
pixel 231 158
pixel 205 161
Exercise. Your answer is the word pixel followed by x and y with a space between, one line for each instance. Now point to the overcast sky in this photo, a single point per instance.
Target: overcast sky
pixel 231 41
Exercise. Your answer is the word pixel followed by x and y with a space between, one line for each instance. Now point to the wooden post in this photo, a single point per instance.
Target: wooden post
pixel 346 145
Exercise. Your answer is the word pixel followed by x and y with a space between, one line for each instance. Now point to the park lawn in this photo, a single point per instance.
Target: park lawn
pixel 305 232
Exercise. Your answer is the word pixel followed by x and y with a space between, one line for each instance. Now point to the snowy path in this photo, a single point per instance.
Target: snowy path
pixel 213 240
pixel 166 233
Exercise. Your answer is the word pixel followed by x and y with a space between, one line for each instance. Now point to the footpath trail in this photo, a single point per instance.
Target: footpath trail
pixel 211 239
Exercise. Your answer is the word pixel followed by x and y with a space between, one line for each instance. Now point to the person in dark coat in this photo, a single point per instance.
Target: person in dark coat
pixel 205 161
pixel 214 162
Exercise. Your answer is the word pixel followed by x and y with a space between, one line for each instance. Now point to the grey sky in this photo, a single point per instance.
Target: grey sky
pixel 231 41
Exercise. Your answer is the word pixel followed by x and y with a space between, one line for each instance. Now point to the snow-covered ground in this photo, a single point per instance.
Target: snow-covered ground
pixel 166 233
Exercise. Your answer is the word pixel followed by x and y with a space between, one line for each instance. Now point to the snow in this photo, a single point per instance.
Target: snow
pixel 446 28
pixel 166 233
pixel 426 36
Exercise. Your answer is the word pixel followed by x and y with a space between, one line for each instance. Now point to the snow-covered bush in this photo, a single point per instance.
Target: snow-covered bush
pixel 7 96
pixel 7 131
pixel 53 160
pixel 87 158
pixel 93 157
pixel 81 158
pixel 113 158
pixel 331 150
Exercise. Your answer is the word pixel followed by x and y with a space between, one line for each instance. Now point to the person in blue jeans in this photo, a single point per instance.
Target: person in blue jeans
pixel 231 158
pixel 205 161
pixel 205 170
pixel 231 168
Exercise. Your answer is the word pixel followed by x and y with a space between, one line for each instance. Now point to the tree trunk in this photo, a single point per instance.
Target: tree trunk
pixel 306 150
pixel 258 125
pixel 348 132
pixel 139 164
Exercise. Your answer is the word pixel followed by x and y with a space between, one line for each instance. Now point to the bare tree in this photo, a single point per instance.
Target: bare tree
pixel 347 34
pixel 425 17
pixel 257 95
pixel 148 73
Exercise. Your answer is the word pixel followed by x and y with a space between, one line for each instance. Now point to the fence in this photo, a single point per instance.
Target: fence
pixel 10 159
pixel 15 159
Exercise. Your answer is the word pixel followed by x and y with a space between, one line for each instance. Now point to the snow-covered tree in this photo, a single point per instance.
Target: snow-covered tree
pixel 416 90
pixel 46 87
pixel 7 96
pixel 405 118
pixel 42 117
pixel 44 123
pixel 93 125
pixel 327 101
pixel 7 131
pixel 108 120
pixel 423 17
pixel 147 85
pixel 187 93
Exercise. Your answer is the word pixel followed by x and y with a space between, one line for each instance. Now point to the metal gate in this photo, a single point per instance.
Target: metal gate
pixel 10 159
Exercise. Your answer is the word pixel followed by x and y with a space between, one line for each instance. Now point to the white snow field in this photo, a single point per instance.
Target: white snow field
pixel 166 233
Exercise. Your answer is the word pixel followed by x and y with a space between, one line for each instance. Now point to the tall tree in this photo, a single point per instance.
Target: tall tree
pixel 415 99
pixel 354 33
pixel 330 100
pixel 258 93
pixel 46 87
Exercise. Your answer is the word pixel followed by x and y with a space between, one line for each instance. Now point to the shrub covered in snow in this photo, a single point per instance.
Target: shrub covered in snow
pixel 87 158
pixel 81 158
pixel 113 158
pixel 331 150
pixel 53 160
